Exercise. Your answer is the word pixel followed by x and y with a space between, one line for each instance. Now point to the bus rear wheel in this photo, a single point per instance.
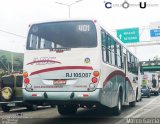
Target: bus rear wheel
pixel 117 110
pixel 132 104
pixel 67 109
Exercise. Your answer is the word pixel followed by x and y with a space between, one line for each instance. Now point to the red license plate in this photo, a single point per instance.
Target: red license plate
pixel 59 82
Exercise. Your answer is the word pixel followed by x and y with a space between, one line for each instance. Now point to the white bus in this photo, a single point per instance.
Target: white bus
pixel 148 78
pixel 76 63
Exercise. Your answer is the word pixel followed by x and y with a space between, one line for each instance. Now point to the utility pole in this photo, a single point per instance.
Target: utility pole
pixel 69 6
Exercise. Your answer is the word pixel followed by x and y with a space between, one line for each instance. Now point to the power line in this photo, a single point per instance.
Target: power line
pixel 12 34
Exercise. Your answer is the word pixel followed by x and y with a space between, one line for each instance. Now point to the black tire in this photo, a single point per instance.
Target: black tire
pixel 149 95
pixel 140 99
pixel 156 93
pixel 118 109
pixel 67 109
pixel 5 108
pixel 132 104
pixel 137 96
pixel 32 107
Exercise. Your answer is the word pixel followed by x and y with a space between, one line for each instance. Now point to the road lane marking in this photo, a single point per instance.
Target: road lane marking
pixel 146 111
pixel 131 115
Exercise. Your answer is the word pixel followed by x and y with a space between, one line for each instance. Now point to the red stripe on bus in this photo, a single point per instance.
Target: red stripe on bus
pixel 114 73
pixel 43 61
pixel 61 68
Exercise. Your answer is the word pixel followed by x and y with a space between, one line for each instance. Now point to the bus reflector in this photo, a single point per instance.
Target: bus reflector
pixel 25 74
pixel 26 80
pixel 94 80
pixel 34 94
pixel 96 73
pixel 85 95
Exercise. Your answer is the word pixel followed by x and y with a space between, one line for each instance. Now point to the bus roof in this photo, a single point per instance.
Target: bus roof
pixel 61 20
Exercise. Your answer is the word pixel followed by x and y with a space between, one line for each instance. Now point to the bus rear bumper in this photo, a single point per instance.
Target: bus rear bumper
pixel 60 97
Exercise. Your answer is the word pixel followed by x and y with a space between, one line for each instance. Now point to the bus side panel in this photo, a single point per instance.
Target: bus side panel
pixel 112 80
pixel 120 82
pixel 132 86
pixel 105 84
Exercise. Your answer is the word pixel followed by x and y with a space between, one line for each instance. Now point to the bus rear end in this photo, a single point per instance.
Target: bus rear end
pixel 62 64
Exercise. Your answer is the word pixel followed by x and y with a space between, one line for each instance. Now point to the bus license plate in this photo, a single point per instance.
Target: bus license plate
pixel 11 104
pixel 59 82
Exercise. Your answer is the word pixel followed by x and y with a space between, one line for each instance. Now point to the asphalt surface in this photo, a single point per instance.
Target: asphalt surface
pixel 146 111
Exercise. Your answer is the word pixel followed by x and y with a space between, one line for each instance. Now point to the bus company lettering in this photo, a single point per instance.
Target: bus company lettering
pixel 49 86
pixel 83 75
pixel 43 61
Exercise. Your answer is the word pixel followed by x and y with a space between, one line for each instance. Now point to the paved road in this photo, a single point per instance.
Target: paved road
pixel 148 108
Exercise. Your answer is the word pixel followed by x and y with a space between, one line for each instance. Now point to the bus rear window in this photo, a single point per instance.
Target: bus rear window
pixel 68 34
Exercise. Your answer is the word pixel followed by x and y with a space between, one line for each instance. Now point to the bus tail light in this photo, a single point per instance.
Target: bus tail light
pixel 96 73
pixel 25 74
pixel 26 80
pixel 94 80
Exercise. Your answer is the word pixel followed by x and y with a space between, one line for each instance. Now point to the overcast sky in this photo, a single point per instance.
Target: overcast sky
pixel 16 15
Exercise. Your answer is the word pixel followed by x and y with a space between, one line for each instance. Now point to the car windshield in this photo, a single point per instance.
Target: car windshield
pixel 65 34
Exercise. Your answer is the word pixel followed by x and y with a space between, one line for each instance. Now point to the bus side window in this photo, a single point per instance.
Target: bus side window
pixel 109 49
pixel 104 39
pixel 119 56
pixel 128 61
pixel 104 47
pixel 124 57
pixel 112 51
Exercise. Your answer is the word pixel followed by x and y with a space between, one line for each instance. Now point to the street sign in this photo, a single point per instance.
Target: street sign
pixel 155 31
pixel 130 35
